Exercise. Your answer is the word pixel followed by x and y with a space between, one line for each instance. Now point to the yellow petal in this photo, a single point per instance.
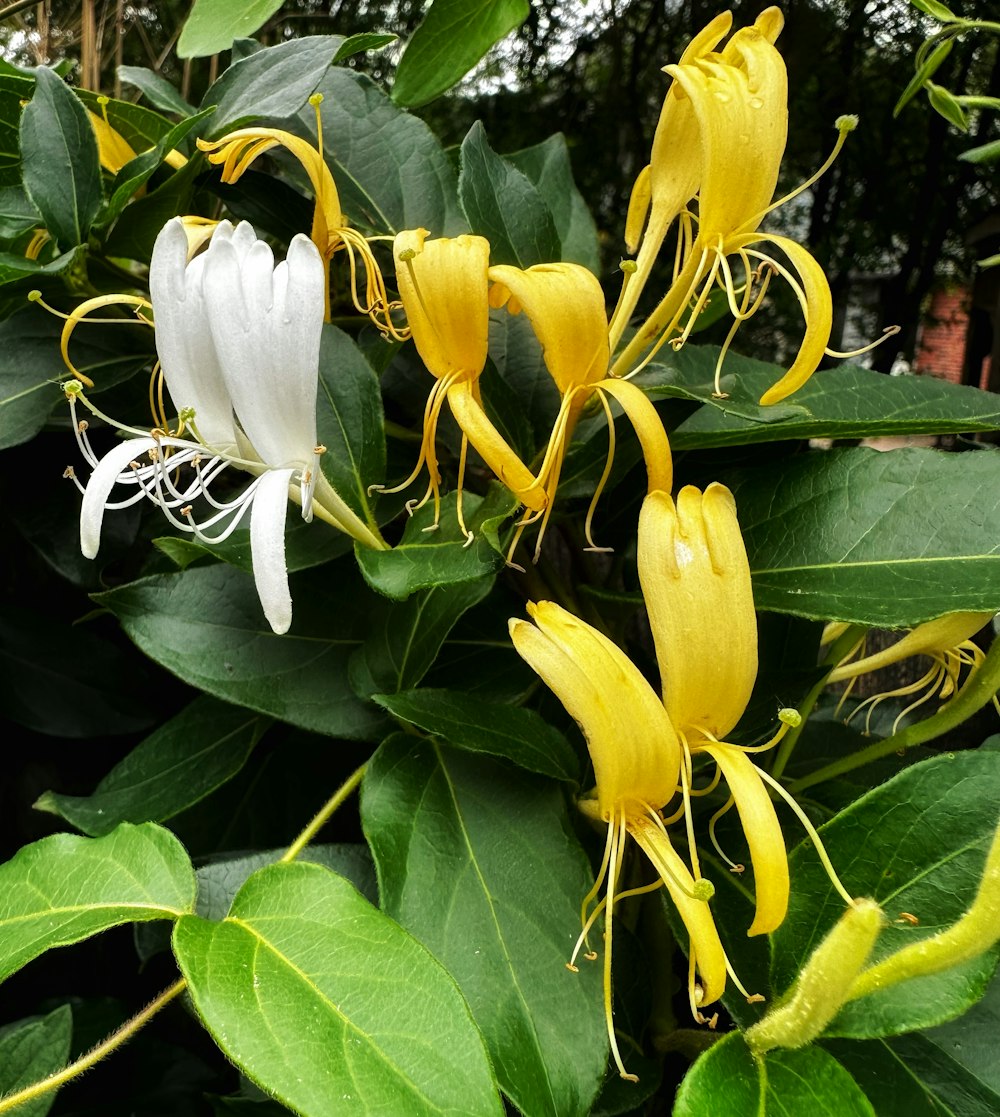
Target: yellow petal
pixel 113 149
pixel 632 744
pixel 648 428
pixel 706 947
pixel 696 582
pixel 466 406
pixel 638 209
pixel 565 305
pixel 763 834
pixel 443 286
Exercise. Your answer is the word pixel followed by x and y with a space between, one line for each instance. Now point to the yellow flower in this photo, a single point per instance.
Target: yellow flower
pixel 113 150
pixel 443 287
pixel 565 305
pixel 722 134
pixel 695 579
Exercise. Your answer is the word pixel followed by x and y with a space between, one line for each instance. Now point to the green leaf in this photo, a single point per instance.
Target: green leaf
pixel 387 1029
pixel 844 402
pixel 17 213
pixel 889 539
pixel 927 70
pixel 446 828
pixel 547 166
pixel 916 844
pixel 59 162
pixel 726 1079
pixel 156 89
pixel 273 82
pixel 469 722
pixel 936 9
pixel 502 204
pixel 451 38
pixel 350 421
pixel 984 153
pixel 212 25
pixel 427 557
pixel 391 170
pixel 947 105
pixel 32 1050
pixel 139 225
pixel 13 91
pixel 65 888
pixel 141 128
pixel 405 636
pixel 206 626
pixel 362 41
pixel 185 760
pixel 14 267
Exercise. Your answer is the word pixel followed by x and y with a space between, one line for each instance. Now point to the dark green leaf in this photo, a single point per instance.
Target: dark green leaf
pixel 206 626
pixel 139 225
pixel 363 41
pixel 469 722
pixel 185 760
pixel 936 9
pixel 452 37
pixel 273 82
pixel 32 1050
pixel 391 170
pixel 14 267
pixel 59 162
pixel 17 213
pixel 916 844
pixel 502 204
pixel 14 89
pixel 888 539
pixel 427 557
pixel 66 888
pixel 726 1079
pixel 212 25
pixel 139 127
pixel 548 168
pixel 446 829
pixel 927 70
pixel 983 153
pixel 156 89
pixel 387 1029
pixel 350 421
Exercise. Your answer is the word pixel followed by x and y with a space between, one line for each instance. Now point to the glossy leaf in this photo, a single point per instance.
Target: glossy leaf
pixel 212 25
pixel 446 829
pixel 472 723
pixel 17 213
pixel 888 539
pixel 502 204
pixel 916 844
pixel 65 888
pixel 156 89
pixel 31 1050
pixel 179 764
pixel 387 1029
pixel 206 626
pixel 59 160
pixel 451 38
pixel 391 170
pixel 141 128
pixel 726 1079
pixel 14 89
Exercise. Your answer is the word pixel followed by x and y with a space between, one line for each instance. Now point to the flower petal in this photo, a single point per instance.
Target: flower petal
pixel 649 430
pixel 632 744
pixel 102 481
pixel 696 582
pixel 267 547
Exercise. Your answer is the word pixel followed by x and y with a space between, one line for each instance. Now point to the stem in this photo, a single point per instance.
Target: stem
pixel 85 1062
pixel 323 816
pixel 19 6
pixel 979 688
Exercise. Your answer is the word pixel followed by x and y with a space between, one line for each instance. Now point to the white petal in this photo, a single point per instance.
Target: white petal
pixel 102 481
pixel 267 546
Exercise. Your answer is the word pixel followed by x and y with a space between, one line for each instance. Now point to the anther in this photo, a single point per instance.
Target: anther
pixel 69 473
pixel 737 869
pixel 83 426
pixel 572 968
pixel 591 955
pixel 755 998
pixel 321 449
pixel 908 917
pixel 187 510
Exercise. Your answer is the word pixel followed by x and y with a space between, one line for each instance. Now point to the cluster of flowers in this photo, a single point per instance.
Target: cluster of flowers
pixel 238 344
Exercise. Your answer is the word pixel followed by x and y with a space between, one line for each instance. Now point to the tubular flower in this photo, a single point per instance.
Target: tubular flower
pixel 331 231
pixel 113 150
pixel 946 641
pixel 565 305
pixel 722 135
pixel 238 342
pixel 443 287
pixel 696 583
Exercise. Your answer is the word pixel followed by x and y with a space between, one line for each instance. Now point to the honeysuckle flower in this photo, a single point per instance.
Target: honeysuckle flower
pixel 565 305
pixel 443 287
pixel 238 341
pixel 113 150
pixel 695 580
pixel 331 231
pixel 722 134
pixel 946 641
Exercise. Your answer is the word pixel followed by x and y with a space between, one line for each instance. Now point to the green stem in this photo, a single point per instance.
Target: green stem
pixel 85 1062
pixel 979 688
pixel 324 813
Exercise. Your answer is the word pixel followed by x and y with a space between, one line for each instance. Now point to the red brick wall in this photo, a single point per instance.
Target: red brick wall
pixel 941 347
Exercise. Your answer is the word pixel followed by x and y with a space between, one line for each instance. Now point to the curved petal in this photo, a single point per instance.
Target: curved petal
pixel 649 430
pixel 706 946
pixel 442 284
pixel 696 582
pixel 632 744
pixel 763 834
pixel 565 305
pixel 267 547
pixel 102 481
pixel 113 150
